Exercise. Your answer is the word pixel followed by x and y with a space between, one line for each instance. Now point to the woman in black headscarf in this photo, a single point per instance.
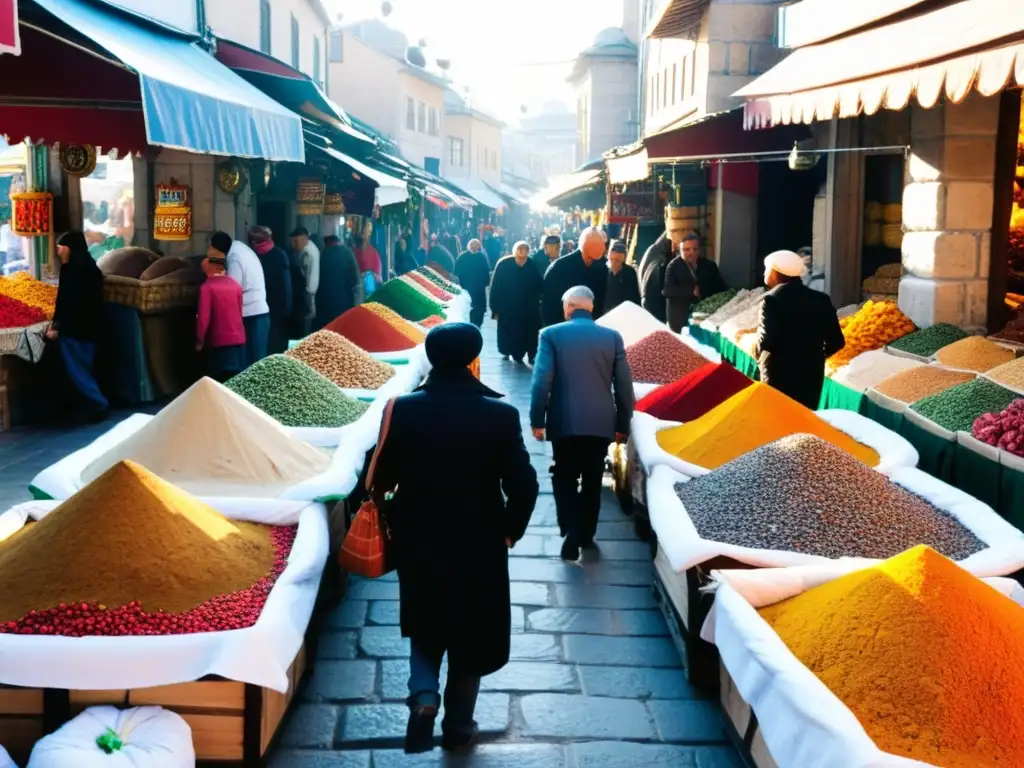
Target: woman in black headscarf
pixel 76 327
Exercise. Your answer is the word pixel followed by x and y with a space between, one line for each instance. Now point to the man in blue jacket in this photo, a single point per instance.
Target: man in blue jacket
pixel 581 400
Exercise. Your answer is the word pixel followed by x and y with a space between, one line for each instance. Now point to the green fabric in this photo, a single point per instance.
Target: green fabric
pixel 835 395
pixel 888 419
pixel 1011 496
pixel 743 362
pixel 937 453
pixel 705 337
pixel 977 475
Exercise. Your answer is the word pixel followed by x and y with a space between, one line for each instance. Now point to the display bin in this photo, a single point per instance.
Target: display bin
pixel 1011 489
pixel 743 362
pixel 976 469
pixel 935 446
pixel 22 719
pixel 741 724
pixel 884 410
pixel 838 396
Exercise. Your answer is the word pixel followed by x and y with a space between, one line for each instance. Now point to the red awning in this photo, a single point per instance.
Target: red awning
pixel 720 135
pixel 239 57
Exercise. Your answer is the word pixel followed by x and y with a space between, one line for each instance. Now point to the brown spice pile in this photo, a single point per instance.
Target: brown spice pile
pixel 661 358
pixel 1009 374
pixel 130 536
pixel 917 383
pixel 974 354
pixel 341 361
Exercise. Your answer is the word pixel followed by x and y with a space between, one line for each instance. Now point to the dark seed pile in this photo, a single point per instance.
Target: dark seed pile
pixel 714 302
pixel 802 494
pixel 928 341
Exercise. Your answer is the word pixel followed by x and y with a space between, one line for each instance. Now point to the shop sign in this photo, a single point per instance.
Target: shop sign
pixel 32 214
pixel 334 204
pixel 626 207
pixel 10 37
pixel 172 217
pixel 309 195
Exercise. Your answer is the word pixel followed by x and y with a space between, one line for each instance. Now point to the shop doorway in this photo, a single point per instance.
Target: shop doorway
pixel 785 210
pixel 274 214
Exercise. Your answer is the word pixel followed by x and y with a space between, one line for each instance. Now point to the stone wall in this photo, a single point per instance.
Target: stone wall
pixel 947 213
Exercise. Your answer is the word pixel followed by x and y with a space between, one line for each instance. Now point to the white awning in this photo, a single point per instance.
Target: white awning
pixel 481 193
pixel 622 170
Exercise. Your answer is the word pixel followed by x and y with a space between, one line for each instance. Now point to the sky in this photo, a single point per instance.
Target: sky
pixel 509 52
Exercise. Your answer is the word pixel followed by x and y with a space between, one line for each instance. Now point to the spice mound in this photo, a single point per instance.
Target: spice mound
pixel 1009 374
pixel 714 302
pixel 923 653
pixel 801 494
pixel 406 300
pixel 872 368
pixel 369 331
pixel 632 322
pixel 396 321
pixel 131 541
pixel 873 326
pixel 917 383
pixel 295 394
pixel 1004 429
pixel 928 341
pixel 15 314
pixel 695 394
pixel 341 361
pixel 432 322
pixel 974 354
pixel 439 280
pixel 756 416
pixel 661 358
pixel 432 289
pixel 211 442
pixel 31 292
pixel 958 407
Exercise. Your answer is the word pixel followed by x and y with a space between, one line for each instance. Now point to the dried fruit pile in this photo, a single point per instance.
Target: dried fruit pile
pixel 974 354
pixel 433 290
pixel 15 314
pixel 31 292
pixel 873 368
pixel 714 302
pixel 928 341
pixel 695 394
pixel 406 300
pixel 957 408
pixel 295 394
pixel 341 361
pixel 369 331
pixel 801 494
pixel 873 326
pixel 165 563
pixel 1004 429
pixel 661 358
pixel 1009 374
pixel 917 383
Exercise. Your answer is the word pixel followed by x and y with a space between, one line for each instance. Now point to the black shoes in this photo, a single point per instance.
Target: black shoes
pixel 570 550
pixel 459 740
pixel 419 731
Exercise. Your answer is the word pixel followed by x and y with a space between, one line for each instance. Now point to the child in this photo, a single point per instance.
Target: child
pixel 220 334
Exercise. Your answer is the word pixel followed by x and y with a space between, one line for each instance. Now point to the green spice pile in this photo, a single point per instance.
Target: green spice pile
pixel 958 407
pixel 803 494
pixel 406 301
pixel 715 302
pixel 928 341
pixel 295 394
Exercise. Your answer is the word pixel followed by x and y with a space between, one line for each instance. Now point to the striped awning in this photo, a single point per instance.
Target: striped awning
pixel 678 18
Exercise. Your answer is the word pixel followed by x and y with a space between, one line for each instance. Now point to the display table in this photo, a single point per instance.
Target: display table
pixel 836 395
pixel 743 362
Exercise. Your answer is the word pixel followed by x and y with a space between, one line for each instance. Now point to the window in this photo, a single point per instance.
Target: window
pixel 435 121
pixel 421 118
pixel 108 204
pixel 410 113
pixel 693 70
pixel 682 87
pixel 334 49
pixel 674 89
pixel 295 42
pixel 664 88
pixel 265 26
pixel 316 59
pixel 657 92
pixel 456 158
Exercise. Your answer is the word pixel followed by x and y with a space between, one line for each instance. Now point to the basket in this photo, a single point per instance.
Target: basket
pixel 890 270
pixel 892 235
pixel 892 213
pixel 873 211
pixel 121 290
pixel 886 285
pixel 872 233
pixel 161 297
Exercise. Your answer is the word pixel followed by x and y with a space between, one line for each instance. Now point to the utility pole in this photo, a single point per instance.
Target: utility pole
pixel 202 27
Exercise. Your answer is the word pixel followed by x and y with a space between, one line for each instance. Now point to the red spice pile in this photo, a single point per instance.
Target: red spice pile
pixel 661 358
pixel 369 331
pixel 430 322
pixel 434 290
pixel 237 610
pixel 14 314
pixel 695 394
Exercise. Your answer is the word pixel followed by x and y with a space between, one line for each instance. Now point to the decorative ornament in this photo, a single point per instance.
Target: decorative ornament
pixel 32 214
pixel 230 176
pixel 801 161
pixel 78 159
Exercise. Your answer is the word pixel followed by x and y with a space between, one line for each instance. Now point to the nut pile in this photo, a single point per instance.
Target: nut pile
pixel 801 494
pixel 928 341
pixel 341 361
pixel 872 368
pixel 1003 430
pixel 744 322
pixel 958 407
pixel 295 394
pixel 741 301
pixel 974 354
pixel 661 358
pixel 714 302
pixel 1009 374
pixel 916 383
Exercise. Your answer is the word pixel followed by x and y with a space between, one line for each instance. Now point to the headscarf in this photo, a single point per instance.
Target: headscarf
pixel 78 245
pixel 453 347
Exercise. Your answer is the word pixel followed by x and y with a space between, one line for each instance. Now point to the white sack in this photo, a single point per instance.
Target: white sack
pixel 701 349
pixel 642 389
pixel 153 737
pixel 260 654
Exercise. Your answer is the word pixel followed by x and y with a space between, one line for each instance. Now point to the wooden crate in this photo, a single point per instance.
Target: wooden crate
pixel 742 725
pixel 21 720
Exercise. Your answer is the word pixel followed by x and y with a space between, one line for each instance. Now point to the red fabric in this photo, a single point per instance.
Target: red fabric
pixel 219 317
pixel 695 394
pixel 8 23
pixel 237 57
pixel 368 260
pixel 262 249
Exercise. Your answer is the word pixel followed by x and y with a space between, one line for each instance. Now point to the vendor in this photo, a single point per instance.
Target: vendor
pixel 75 330
pixel 798 331
pixel 688 279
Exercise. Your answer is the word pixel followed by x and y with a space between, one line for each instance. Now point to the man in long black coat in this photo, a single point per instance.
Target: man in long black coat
pixel 277 277
pixel 622 280
pixel 474 273
pixel 515 302
pixel 652 272
pixel 585 266
pixel 688 279
pixel 545 256
pixel 451 538
pixel 341 284
pixel 797 333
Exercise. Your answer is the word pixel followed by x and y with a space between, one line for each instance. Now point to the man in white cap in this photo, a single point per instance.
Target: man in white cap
pixel 798 331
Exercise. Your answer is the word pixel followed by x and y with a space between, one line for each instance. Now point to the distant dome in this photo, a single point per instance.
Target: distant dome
pixel 611 36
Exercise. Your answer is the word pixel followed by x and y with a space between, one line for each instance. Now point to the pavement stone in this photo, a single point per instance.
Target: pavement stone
pixel 337 645
pixel 569 716
pixel 604 596
pixel 310 726
pixel 338 681
pixel 301 758
pixel 514 677
pixel 484 756
pixel 623 754
pixel 688 721
pixel 531 647
pixel 368 723
pixel 594 621
pixel 528 593
pixel 351 614
pixel 371 589
pixel 383 643
pixel 621 651
pixel 636 683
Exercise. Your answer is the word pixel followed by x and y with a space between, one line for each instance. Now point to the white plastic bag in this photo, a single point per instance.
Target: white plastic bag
pixel 151 737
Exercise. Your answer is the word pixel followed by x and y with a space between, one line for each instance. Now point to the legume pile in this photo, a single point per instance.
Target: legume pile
pixel 801 494
pixel 661 358
pixel 163 550
pixel 872 368
pixel 1004 429
pixel 928 341
pixel 406 300
pixel 756 416
pixel 916 383
pixel 295 394
pixel 370 331
pixel 1010 374
pixel 958 407
pixel 974 354
pixel 341 361
pixel 714 302
pixel 925 655
pixel 695 394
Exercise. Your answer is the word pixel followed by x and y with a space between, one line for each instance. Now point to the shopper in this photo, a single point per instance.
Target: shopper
pixel 688 279
pixel 515 302
pixel 546 255
pixel 305 264
pixel 341 284
pixel 622 281
pixel 370 266
pixel 797 332
pixel 220 329
pixel 441 260
pixel 585 266
pixel 474 274
pixel 245 268
pixel 581 399
pixel 652 270
pixel 277 278
pixel 450 539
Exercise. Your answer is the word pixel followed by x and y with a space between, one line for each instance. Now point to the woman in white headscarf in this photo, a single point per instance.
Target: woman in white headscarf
pixel 798 331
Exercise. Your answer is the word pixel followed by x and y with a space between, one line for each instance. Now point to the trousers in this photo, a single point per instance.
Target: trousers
pixel 576 481
pixel 257 331
pixel 460 692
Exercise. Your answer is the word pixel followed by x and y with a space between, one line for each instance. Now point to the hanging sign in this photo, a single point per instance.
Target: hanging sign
pixel 10 37
pixel 32 214
pixel 309 195
pixel 172 216
pixel 334 204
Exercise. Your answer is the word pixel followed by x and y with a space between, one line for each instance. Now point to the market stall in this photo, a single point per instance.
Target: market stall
pixel 26 307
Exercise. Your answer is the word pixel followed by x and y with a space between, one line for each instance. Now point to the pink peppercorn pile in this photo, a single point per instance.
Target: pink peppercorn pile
pixel 661 358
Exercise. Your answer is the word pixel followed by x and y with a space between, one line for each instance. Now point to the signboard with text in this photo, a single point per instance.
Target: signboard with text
pixel 10 37
pixel 172 215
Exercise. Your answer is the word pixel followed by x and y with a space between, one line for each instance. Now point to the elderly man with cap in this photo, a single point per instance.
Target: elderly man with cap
pixel 797 332
pixel 547 254
pixel 451 539
pixel 305 264
pixel 515 302
pixel 622 280
pixel 244 267
pixel 341 281
pixel 688 279
pixel 584 266
pixel 581 400
pixel 473 272
pixel 277 279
